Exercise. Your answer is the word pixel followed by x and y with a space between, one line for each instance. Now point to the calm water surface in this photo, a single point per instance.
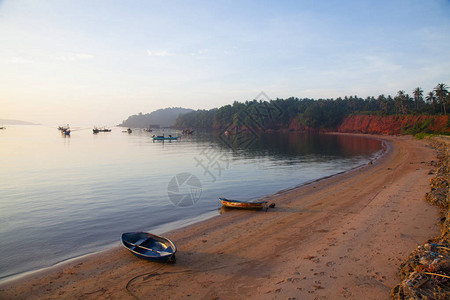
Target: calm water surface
pixel 62 197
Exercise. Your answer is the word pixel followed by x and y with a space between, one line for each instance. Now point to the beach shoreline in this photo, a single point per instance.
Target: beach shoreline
pixel 181 224
pixel 210 251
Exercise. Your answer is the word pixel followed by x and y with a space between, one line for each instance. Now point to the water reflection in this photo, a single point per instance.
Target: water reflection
pixel 291 145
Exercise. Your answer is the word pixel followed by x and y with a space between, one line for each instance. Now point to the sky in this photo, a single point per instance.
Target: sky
pixel 96 62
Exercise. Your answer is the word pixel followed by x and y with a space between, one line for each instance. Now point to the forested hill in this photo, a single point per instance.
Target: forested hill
pixel 162 117
pixel 322 114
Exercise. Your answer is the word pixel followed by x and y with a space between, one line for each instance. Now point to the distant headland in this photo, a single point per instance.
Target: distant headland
pixel 159 118
pixel 15 122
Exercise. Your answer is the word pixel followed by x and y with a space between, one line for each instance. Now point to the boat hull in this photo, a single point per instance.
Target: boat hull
pixel 158 138
pixel 242 204
pixel 149 246
pixel 96 130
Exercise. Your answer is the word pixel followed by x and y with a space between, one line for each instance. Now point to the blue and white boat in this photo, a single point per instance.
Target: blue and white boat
pixel 165 138
pixel 149 246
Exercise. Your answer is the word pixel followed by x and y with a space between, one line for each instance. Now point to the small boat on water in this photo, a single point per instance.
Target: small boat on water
pixel 65 130
pixel 165 138
pixel 3 127
pixel 242 204
pixel 127 131
pixel 97 130
pixel 62 128
pixel 149 246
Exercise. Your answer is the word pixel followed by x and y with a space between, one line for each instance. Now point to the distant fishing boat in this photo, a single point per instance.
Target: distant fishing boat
pixel 149 246
pixel 97 130
pixel 243 204
pixel 65 130
pixel 3 127
pixel 165 138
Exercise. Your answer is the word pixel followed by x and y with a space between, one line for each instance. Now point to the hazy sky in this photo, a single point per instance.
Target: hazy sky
pixel 98 61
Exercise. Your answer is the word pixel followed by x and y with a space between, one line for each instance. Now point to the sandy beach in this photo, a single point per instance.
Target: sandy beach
pixel 343 237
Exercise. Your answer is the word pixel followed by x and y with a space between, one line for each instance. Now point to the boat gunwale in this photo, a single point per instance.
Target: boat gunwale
pixel 243 202
pixel 160 257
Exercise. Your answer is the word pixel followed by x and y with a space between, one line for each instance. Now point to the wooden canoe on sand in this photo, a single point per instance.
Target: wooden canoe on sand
pixel 242 204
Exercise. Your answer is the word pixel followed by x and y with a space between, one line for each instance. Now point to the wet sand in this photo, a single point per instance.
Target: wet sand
pixel 342 237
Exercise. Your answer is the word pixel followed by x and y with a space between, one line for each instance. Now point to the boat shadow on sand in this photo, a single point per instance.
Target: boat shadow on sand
pixel 153 277
pixel 277 209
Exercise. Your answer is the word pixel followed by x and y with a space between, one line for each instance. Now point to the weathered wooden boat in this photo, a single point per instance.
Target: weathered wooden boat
pixel 243 204
pixel 165 138
pixel 149 246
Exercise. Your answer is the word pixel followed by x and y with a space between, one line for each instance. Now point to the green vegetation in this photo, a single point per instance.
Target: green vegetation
pixel 318 114
pixel 419 127
pixel 161 118
pixel 422 135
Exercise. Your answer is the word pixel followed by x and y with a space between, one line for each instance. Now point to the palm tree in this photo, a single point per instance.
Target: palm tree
pixel 431 99
pixel 383 103
pixel 418 97
pixel 401 102
pixel 441 91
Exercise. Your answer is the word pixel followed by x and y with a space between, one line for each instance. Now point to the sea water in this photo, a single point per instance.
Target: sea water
pixel 66 196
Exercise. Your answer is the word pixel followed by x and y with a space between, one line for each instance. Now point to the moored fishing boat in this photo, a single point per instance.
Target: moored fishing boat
pixel 65 130
pixel 242 204
pixel 97 130
pixel 149 246
pixel 165 138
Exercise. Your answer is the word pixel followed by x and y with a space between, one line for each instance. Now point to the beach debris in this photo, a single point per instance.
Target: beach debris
pixel 426 272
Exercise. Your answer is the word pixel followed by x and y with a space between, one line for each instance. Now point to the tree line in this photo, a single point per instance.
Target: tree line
pixel 165 117
pixel 321 113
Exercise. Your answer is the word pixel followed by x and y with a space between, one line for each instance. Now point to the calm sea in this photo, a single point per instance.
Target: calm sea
pixel 62 197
